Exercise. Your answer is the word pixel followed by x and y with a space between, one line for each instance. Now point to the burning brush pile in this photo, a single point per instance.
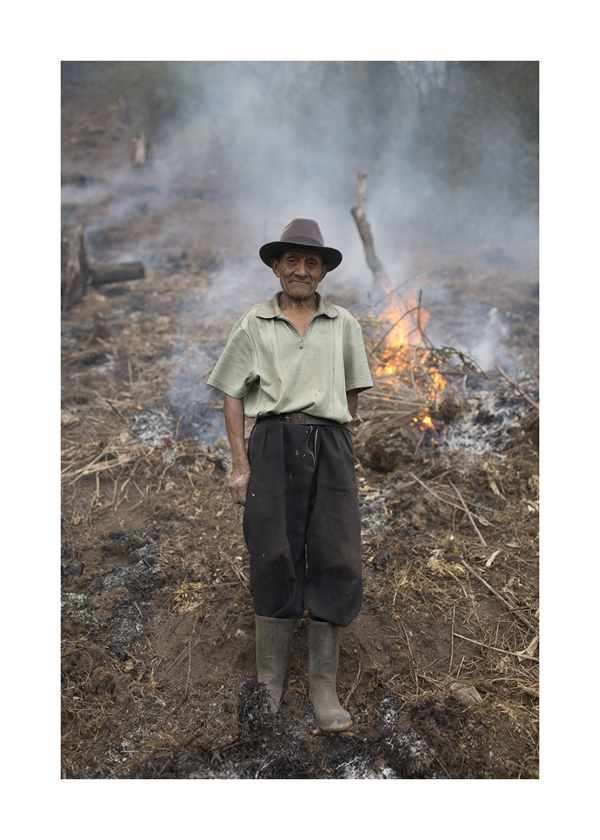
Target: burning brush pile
pixel 410 386
pixel 413 395
pixel 423 394
pixel 406 368
pixel 427 397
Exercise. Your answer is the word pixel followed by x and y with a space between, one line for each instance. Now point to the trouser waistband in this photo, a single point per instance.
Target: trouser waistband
pixel 303 419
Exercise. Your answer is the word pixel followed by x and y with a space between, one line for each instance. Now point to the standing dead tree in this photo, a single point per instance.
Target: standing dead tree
pixel 141 149
pixel 364 229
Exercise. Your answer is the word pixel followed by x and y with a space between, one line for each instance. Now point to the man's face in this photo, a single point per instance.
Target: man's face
pixel 299 273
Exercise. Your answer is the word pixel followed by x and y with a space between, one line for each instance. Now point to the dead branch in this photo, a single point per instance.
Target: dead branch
pixel 241 575
pixel 199 615
pixel 412 659
pixel 518 388
pixel 435 495
pixel 116 410
pixel 120 460
pixel 468 512
pixel 497 594
pixel 520 654
pixel 354 685
pixel 452 639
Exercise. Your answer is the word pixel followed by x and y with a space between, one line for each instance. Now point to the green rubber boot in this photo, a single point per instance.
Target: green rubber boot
pixel 273 645
pixel 323 653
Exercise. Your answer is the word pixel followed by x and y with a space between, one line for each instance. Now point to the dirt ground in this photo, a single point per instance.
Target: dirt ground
pixel 440 669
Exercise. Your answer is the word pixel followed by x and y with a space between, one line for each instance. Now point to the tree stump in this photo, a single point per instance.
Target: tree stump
pixel 76 275
pixel 141 149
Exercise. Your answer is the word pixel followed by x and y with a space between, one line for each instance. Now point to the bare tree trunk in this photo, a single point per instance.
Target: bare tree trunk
pixel 138 150
pixel 141 149
pixel 360 217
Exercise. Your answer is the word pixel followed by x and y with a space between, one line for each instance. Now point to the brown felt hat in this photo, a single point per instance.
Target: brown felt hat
pixel 302 233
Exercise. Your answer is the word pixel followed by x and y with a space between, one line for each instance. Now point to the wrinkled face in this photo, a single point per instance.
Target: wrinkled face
pixel 299 273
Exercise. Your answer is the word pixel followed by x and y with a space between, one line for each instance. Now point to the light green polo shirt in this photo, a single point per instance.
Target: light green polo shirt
pixel 278 371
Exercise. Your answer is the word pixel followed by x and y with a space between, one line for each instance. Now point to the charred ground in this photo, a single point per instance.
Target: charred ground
pixel 440 669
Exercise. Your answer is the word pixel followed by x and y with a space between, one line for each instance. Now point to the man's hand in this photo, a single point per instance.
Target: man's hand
pixel 240 466
pixel 238 485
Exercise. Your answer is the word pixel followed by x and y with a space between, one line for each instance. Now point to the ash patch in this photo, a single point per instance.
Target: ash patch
pixel 409 756
pixel 491 420
pixel 388 712
pixel 240 739
pixel 138 547
pixel 114 602
pixel 157 429
pixel 373 515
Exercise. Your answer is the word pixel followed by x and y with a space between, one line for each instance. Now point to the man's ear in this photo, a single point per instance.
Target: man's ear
pixel 325 270
pixel 275 266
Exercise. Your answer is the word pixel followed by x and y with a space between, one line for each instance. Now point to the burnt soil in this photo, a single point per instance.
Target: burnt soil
pixel 440 669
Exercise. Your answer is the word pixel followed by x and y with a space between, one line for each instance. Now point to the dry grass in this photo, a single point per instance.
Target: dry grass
pixel 454 604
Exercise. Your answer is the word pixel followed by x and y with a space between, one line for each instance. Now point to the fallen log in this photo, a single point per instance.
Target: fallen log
pixel 79 180
pixel 103 274
pixel 77 273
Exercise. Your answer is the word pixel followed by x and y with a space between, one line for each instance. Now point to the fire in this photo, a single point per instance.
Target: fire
pixel 402 315
pixel 402 362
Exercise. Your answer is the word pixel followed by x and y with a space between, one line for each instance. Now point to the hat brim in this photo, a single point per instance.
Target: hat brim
pixel 272 250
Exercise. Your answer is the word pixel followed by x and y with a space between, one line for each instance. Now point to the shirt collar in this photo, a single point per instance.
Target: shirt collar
pixel 271 309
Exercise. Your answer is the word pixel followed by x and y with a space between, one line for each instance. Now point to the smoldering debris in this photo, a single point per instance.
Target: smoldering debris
pixel 492 417
pixel 156 428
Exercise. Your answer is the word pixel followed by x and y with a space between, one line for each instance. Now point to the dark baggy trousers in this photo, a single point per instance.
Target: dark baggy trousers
pixel 302 522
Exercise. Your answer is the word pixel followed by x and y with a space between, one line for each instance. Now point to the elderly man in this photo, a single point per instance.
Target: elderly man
pixel 297 364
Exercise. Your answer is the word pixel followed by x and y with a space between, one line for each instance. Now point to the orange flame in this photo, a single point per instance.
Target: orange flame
pixel 402 358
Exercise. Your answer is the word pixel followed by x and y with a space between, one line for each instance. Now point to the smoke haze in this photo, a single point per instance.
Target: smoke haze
pixel 450 150
pixel 288 138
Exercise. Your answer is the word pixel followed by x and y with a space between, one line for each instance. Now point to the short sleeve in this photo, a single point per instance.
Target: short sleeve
pixel 356 364
pixel 234 372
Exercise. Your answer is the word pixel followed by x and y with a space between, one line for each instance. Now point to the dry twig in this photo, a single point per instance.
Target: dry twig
pixel 468 512
pixel 497 594
pixel 517 387
pixel 520 654
pixel 412 659
pixel 354 685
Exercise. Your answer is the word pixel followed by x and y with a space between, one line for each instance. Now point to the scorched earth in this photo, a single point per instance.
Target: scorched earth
pixel 439 671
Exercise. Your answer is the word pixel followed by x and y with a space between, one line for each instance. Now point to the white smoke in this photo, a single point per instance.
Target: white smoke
pixel 278 140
